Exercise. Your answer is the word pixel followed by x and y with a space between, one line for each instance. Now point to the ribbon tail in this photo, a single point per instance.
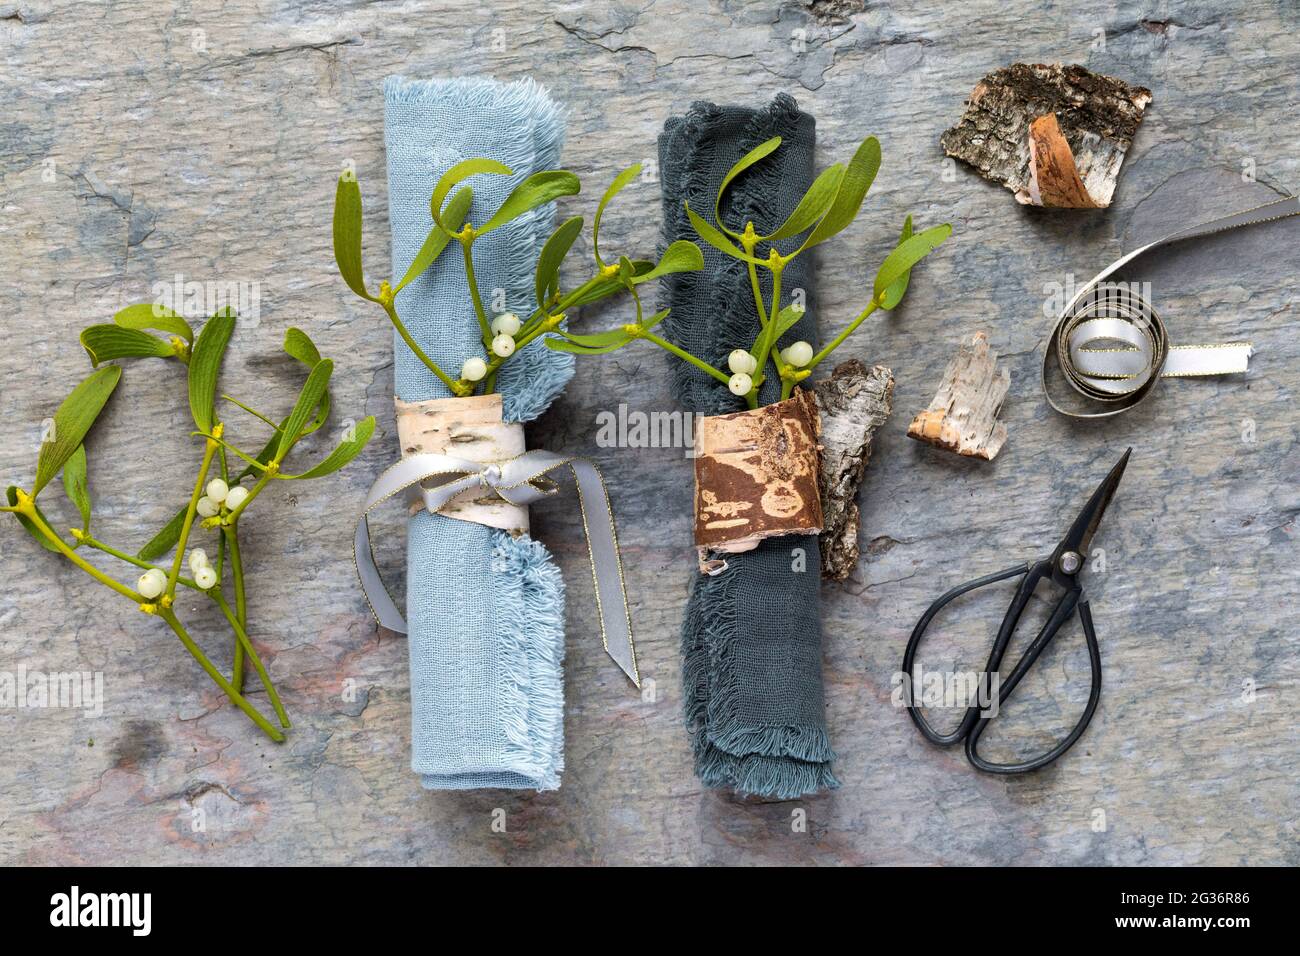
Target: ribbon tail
pixel 516 483
pixel 606 568
pixel 381 602
pixel 1191 361
pixel 399 477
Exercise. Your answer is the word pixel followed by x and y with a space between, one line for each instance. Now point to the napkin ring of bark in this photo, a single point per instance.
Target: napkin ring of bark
pixel 469 428
pixel 756 477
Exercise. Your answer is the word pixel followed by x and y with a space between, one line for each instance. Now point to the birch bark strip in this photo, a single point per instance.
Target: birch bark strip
pixel 468 428
pixel 964 414
pixel 852 404
pixel 756 475
pixel 1053 178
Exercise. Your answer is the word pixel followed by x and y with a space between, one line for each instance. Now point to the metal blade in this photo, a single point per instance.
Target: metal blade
pixel 1079 538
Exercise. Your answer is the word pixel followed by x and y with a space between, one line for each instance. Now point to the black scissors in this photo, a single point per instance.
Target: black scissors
pixel 1062 568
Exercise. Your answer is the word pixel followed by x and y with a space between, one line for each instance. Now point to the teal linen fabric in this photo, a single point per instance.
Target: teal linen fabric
pixel 751 638
pixel 485 612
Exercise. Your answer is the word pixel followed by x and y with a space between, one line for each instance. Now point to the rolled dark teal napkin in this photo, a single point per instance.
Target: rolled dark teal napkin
pixel 751 639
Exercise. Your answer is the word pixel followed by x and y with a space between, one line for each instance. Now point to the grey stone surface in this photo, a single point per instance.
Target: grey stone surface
pixel 143 140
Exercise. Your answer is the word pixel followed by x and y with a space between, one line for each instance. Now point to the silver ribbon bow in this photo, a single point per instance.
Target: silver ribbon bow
pixel 1112 346
pixel 520 481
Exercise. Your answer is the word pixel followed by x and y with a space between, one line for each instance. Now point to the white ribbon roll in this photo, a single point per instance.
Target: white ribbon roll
pixel 1112 346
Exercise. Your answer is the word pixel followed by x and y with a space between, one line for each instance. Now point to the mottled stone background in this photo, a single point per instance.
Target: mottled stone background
pixel 143 140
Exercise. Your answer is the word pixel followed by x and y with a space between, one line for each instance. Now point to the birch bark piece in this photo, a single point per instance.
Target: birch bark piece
pixel 963 417
pixel 852 404
pixel 756 475
pixel 1005 134
pixel 468 428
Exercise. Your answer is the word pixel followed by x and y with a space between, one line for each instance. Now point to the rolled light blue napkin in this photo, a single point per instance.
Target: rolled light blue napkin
pixel 485 611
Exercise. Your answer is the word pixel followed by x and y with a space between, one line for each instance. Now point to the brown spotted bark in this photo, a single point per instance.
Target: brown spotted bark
pixel 1096 118
pixel 756 475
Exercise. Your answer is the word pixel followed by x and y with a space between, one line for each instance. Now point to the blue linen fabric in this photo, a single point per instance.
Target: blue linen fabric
pixel 485 611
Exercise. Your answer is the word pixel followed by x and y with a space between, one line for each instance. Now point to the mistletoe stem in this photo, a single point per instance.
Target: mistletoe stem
pixel 236 697
pixel 27 509
pixel 98 545
pixel 241 636
pixel 684 356
pixel 484 327
pixel 231 537
pixel 414 347
pixel 209 449
pixel 839 339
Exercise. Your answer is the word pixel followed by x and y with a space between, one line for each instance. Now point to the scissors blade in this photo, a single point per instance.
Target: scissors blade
pixel 1080 534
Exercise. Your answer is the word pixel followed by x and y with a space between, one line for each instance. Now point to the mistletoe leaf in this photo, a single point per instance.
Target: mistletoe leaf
pixel 617 186
pixel 457 211
pixel 552 257
pixel 299 345
pixel 454 176
pixel 205 367
pixel 150 315
pixel 894 294
pixel 103 343
pixel 313 390
pixel 346 450
pixel 749 159
pixel 72 421
pixel 909 252
pixel 537 190
pixel 347 233
pixel 717 240
pixel 76 482
pixel 813 205
pixel 680 256
pixel 857 179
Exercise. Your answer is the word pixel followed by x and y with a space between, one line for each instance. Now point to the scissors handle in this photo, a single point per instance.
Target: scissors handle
pixel 974 721
pixel 995 658
pixel 1063 611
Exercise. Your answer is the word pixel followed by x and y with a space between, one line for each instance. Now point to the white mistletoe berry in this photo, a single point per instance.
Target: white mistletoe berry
pixel 740 384
pixel 205 577
pixel 507 323
pixel 799 354
pixel 236 497
pixel 217 490
pixel 151 583
pixel 473 369
pixel 741 362
pixel 503 345
pixel 198 559
pixel 207 508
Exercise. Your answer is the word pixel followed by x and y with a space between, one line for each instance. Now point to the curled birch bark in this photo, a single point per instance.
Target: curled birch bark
pixel 1054 135
pixel 469 428
pixel 756 476
pixel 852 404
pixel 964 414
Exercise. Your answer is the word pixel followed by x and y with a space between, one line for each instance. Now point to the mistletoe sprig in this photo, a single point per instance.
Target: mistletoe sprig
pixel 831 203
pixel 219 500
pixel 504 334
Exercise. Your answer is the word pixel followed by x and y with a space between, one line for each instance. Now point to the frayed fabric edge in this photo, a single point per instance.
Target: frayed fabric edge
pixel 781 763
pixel 530 684
pixel 537 375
